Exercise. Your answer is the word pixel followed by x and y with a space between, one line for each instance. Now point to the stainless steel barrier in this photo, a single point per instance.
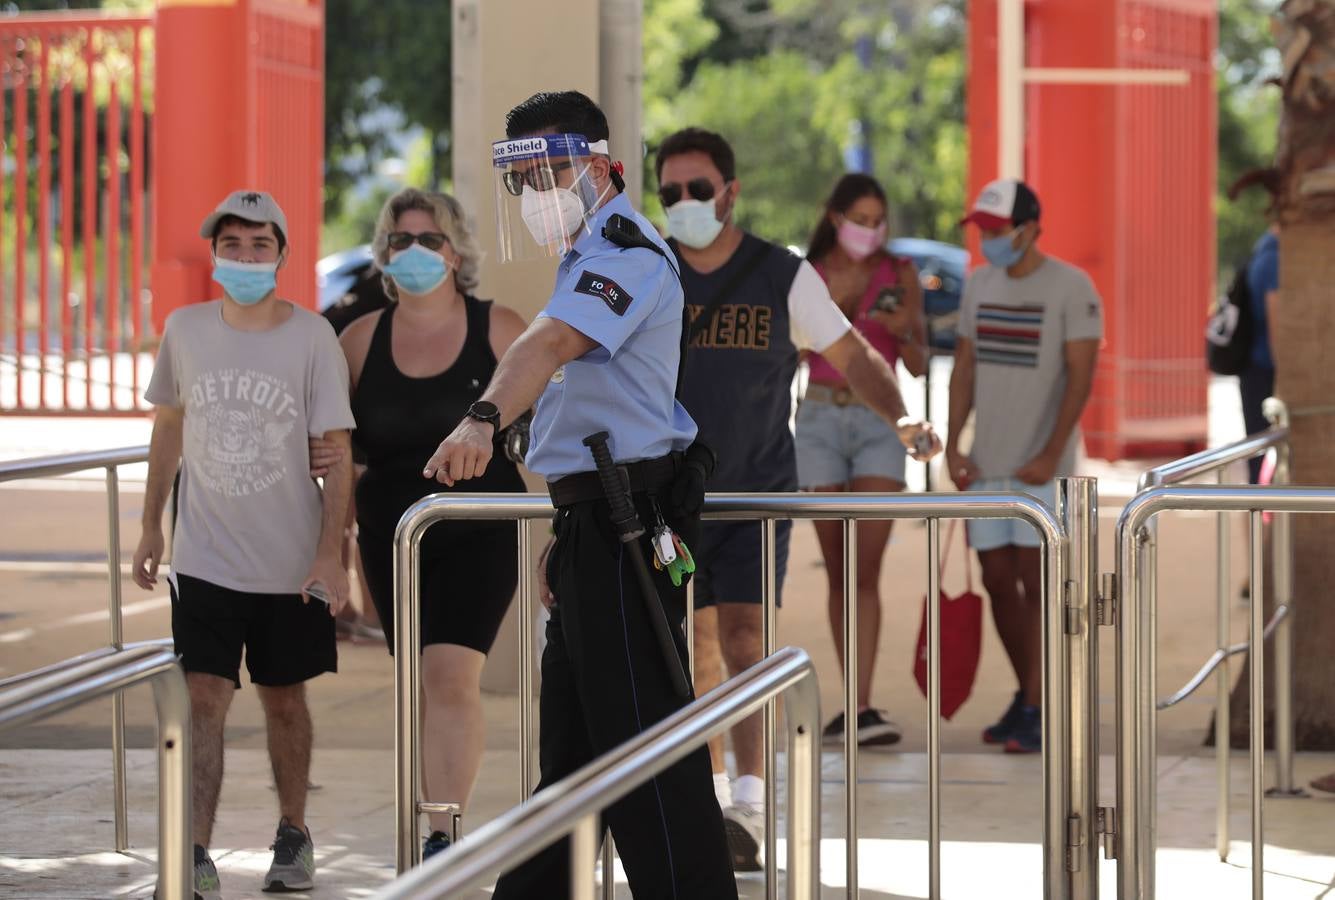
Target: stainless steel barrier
pixel 1068 809
pixel 572 806
pixel 111 461
pixel 1133 828
pixel 1216 461
pixel 64 686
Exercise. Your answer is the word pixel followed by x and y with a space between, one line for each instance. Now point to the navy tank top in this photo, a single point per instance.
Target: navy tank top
pixel 739 369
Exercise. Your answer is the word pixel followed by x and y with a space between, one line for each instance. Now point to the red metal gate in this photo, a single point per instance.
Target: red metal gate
pixel 74 325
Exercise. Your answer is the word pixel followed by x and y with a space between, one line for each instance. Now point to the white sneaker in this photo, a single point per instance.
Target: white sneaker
pixel 745 827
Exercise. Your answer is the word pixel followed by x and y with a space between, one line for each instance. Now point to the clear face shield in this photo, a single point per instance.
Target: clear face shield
pixel 544 193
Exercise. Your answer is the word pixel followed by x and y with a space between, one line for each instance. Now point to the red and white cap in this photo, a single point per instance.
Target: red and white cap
pixel 1002 204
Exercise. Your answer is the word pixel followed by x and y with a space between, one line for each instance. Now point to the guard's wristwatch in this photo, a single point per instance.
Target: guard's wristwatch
pixel 486 411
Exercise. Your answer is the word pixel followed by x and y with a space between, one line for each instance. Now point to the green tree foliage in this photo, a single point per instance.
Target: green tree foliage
pixel 1248 121
pixel 783 83
pixel 383 54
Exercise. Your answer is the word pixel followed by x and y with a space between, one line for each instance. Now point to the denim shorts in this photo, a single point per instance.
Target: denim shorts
pixel 836 444
pixel 991 534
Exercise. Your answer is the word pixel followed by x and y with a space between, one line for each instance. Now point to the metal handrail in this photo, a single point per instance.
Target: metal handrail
pixel 1280 629
pixel 89 679
pixel 571 806
pixel 67 464
pixel 1216 658
pixel 1137 657
pixel 99 653
pixel 1059 725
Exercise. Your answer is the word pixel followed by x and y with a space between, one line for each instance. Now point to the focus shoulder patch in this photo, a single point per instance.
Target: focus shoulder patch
pixel 606 290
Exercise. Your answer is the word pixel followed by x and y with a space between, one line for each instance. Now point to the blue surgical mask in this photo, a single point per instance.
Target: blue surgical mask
pixel 1000 251
pixel 246 283
pixel 693 223
pixel 417 270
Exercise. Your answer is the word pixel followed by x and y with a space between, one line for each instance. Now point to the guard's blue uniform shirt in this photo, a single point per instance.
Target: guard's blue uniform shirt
pixel 631 304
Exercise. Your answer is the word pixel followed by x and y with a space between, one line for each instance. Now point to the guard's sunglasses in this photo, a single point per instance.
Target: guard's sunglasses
pixel 701 189
pixel 540 178
pixel 402 240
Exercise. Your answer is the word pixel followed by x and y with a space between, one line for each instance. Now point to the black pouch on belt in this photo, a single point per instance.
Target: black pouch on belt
pixel 688 490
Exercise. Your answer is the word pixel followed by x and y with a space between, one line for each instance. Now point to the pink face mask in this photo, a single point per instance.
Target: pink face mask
pixel 859 241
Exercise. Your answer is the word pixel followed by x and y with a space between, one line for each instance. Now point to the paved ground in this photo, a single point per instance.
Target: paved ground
pixel 54 779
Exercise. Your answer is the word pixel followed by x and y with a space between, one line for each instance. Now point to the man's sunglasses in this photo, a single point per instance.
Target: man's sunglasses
pixel 540 178
pixel 402 240
pixel 699 188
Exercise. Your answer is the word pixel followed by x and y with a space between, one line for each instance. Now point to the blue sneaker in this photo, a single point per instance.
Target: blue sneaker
pixel 438 842
pixel 1027 736
pixel 1001 731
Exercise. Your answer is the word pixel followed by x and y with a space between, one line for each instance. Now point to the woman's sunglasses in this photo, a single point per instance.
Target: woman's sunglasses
pixel 402 240
pixel 540 178
pixel 699 188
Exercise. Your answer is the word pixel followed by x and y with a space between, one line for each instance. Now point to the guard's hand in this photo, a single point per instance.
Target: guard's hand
pixel 544 589
pixel 963 471
pixel 1039 470
pixel 462 455
pixel 919 437
pixel 147 558
pixel 324 455
pixel 329 572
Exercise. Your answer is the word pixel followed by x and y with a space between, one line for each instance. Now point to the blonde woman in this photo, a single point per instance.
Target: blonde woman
pixel 416 366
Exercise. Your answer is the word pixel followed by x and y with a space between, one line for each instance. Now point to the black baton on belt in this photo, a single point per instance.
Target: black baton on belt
pixel 629 529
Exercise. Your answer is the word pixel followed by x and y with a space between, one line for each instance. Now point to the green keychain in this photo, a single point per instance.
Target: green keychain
pixel 683 565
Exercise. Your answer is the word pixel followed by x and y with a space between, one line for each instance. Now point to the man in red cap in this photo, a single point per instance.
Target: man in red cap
pixel 1028 338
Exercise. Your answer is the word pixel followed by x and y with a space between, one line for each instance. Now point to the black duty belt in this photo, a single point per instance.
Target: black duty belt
pixel 645 475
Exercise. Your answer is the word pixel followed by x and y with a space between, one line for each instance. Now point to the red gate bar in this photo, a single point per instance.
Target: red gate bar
pixel 49 59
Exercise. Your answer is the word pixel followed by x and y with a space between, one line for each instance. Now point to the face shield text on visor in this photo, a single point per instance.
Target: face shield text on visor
pixel 544 196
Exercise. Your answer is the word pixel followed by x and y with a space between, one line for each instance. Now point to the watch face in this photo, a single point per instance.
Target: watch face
pixel 484 409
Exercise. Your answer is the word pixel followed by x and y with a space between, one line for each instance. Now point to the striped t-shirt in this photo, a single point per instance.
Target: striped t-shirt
pixel 1019 328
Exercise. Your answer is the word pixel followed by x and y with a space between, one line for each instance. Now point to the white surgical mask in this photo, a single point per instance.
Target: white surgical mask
pixel 693 223
pixel 553 216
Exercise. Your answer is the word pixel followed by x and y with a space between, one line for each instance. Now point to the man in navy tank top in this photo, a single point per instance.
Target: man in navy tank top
pixel 753 308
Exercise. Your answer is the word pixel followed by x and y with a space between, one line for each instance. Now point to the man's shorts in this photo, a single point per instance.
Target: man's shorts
pixel 836 444
pixel 728 566
pixel 286 641
pixel 991 534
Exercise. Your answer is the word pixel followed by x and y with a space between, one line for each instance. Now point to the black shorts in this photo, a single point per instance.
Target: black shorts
pixel 469 573
pixel 286 641
pixel 727 562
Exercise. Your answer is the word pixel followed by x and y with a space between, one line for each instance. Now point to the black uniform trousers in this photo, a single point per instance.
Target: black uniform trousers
pixel 604 682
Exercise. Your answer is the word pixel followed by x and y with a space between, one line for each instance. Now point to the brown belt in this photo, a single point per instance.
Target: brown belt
pixel 645 475
pixel 821 393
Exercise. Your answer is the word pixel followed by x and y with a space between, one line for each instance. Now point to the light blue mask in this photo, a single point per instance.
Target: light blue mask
pixel 417 270
pixel 1001 253
pixel 693 223
pixel 246 283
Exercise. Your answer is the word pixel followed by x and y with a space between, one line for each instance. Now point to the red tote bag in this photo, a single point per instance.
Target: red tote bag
pixel 961 637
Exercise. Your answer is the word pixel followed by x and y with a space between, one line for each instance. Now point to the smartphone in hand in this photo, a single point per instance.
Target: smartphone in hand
pixel 888 300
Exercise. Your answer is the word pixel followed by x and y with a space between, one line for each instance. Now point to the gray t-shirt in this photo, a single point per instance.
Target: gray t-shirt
pixel 248 510
pixel 1020 327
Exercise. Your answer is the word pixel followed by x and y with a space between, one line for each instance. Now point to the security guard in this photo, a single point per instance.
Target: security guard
pixel 604 356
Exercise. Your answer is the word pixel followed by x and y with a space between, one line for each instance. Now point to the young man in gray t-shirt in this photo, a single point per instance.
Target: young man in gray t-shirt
pixel 239 385
pixel 1028 339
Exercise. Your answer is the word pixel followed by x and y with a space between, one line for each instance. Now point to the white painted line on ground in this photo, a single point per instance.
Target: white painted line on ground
pixel 130 609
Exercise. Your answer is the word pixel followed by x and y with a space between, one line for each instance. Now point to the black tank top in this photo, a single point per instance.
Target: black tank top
pixel 402 420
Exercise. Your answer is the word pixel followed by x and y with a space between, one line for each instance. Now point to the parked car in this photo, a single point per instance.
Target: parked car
pixel 349 286
pixel 942 269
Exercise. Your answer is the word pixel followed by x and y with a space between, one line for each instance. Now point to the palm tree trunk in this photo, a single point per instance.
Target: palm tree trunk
pixel 1301 333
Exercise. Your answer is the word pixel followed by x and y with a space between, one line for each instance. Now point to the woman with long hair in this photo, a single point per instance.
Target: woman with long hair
pixel 842 445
